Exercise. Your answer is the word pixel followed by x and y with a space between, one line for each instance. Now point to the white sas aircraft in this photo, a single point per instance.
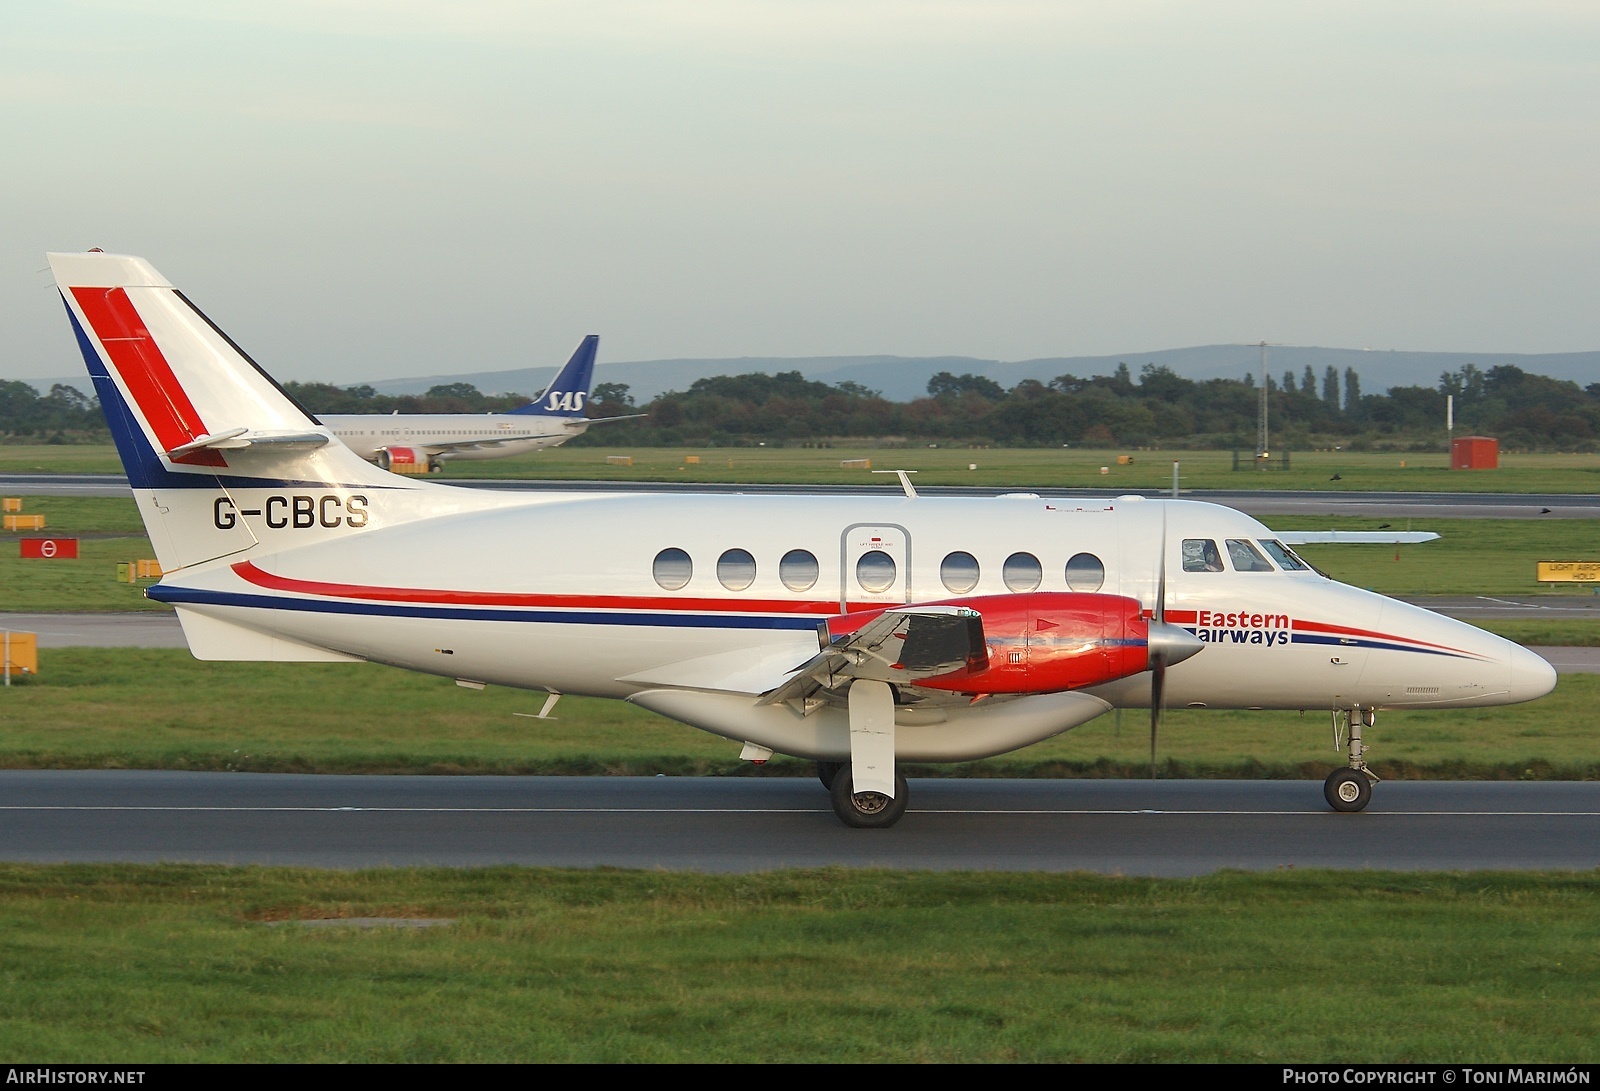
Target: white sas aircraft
pixel 859 632
pixel 428 439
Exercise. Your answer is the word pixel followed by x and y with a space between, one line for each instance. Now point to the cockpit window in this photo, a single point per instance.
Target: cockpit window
pixel 1246 557
pixel 1283 555
pixel 1201 555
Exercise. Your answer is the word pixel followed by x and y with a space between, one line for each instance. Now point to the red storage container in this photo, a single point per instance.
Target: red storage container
pixel 1475 453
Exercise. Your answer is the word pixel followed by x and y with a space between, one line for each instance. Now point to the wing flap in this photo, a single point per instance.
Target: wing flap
pixel 899 646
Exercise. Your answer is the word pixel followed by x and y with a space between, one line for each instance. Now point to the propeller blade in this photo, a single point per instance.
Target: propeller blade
pixel 1158 647
pixel 1158 683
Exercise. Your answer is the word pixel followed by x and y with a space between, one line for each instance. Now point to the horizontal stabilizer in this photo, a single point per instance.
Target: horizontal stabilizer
pixel 214 640
pixel 240 439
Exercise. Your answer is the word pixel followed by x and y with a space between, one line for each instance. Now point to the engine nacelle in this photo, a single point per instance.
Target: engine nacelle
pixel 403 460
pixel 1045 642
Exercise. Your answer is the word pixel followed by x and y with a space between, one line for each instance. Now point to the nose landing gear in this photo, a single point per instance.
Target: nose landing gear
pixel 1350 789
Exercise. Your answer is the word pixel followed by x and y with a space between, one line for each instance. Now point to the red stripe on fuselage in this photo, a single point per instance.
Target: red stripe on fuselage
pixel 145 372
pixel 1345 630
pixel 248 571
pixel 1192 617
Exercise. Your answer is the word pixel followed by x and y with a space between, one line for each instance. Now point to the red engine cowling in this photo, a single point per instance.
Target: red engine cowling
pixel 1043 642
pixel 403 460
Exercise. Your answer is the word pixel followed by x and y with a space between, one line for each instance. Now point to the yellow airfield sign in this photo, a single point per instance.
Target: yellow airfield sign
pixel 1569 571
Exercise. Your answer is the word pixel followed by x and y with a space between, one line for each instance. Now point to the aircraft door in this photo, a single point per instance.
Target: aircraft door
pixel 874 565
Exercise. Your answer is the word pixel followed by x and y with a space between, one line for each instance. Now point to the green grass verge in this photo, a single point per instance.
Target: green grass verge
pixel 142 964
pixel 161 709
pixel 1567 634
pixel 49 458
pixel 109 532
pixel 1472 556
pixel 996 466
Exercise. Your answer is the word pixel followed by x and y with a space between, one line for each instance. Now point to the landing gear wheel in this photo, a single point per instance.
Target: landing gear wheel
pixel 1348 790
pixel 827 770
pixel 868 810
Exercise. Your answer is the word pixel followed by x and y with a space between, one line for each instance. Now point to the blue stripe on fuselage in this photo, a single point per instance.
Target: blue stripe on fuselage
pixel 179 595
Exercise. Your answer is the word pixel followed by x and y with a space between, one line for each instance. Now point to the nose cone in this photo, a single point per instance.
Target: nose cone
pixel 1532 676
pixel 1173 645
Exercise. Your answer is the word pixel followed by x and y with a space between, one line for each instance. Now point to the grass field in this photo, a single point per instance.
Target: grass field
pixel 996 466
pixel 109 532
pixel 113 708
pixel 138 964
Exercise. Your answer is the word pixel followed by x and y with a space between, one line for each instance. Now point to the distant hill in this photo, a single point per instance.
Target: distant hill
pixel 902 378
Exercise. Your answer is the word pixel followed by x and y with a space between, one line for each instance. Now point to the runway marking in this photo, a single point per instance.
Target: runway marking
pixel 773 810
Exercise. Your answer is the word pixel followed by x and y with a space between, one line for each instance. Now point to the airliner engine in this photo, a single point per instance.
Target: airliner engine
pixel 1045 642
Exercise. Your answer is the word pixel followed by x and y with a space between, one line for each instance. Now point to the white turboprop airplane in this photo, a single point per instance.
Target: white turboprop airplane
pixel 860 632
pixel 428 439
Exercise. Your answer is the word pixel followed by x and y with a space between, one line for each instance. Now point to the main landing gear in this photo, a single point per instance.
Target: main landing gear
pixel 867 810
pixel 882 798
pixel 1350 789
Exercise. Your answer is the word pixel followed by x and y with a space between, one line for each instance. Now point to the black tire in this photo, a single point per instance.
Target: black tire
pixel 827 770
pixel 1347 790
pixel 870 810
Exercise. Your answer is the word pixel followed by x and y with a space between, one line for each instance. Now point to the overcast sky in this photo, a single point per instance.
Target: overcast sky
pixel 359 190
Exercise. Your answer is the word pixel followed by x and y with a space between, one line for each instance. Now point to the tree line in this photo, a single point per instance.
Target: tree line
pixel 1158 408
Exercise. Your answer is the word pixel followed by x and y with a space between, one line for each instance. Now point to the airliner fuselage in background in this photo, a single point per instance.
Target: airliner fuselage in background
pixel 428 439
pixel 860 632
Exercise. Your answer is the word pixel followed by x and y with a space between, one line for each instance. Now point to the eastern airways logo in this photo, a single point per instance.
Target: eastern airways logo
pixel 1218 627
pixel 566 401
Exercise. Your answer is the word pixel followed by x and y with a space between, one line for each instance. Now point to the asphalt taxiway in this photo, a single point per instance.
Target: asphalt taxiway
pixel 757 824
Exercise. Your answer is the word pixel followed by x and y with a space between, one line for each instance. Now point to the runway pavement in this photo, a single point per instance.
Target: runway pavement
pixel 1387 505
pixel 130 630
pixel 735 825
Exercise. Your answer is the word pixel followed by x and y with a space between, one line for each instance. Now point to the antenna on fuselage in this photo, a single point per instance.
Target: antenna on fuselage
pixel 905 480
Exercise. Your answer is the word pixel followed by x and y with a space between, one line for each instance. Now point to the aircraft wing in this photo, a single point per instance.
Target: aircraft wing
pixel 586 421
pixel 499 441
pixel 481 444
pixel 1354 537
pixel 899 646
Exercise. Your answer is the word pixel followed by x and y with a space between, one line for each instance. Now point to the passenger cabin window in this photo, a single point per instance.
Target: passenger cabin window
pixel 875 571
pixel 1201 555
pixel 798 570
pixel 1022 572
pixel 1246 557
pixel 959 573
pixel 1284 556
pixel 1085 572
pixel 736 569
pixel 673 569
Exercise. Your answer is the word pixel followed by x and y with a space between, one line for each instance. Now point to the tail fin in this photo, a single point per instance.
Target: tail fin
pixel 569 390
pixel 195 420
